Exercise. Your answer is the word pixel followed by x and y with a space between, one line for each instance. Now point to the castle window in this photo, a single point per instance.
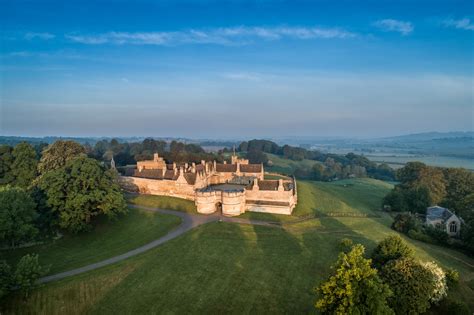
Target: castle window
pixel 453 227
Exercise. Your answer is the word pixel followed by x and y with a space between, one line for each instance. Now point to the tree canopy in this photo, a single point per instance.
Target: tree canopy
pixel 81 190
pixel 17 215
pixel 57 154
pixel 24 166
pixel 354 288
pixel 411 283
pixel 390 248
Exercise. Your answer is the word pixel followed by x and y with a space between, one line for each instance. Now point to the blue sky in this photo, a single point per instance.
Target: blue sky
pixel 227 69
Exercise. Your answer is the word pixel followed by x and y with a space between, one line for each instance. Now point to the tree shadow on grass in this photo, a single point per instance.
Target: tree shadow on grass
pixel 204 270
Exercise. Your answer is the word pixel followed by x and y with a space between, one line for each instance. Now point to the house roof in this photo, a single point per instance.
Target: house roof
pixel 268 184
pixel 438 213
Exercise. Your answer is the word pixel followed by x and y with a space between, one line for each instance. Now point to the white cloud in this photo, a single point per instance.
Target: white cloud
pixel 221 36
pixel 463 24
pixel 245 76
pixel 44 36
pixel 392 25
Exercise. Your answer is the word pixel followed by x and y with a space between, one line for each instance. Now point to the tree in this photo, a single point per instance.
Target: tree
pixel 5 278
pixel 411 284
pixel 17 215
pixel 6 161
pixel 460 184
pixel 57 154
pixel 392 247
pixel 24 164
pixel 354 288
pixel 257 157
pixel 80 191
pixel 27 273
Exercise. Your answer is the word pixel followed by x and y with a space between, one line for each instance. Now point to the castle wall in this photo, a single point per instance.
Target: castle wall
pixel 206 201
pixel 233 203
pixel 170 188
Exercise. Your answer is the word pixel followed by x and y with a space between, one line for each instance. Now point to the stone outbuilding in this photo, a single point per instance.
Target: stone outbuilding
pixel 438 216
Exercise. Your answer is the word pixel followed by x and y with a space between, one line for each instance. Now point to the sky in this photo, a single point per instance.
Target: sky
pixel 236 69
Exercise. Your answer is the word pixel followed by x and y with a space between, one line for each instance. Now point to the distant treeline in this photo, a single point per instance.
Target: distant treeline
pixel 127 153
pixel 331 166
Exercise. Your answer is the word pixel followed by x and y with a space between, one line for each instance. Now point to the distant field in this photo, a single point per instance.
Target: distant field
pixel 109 238
pixel 232 268
pixel 442 161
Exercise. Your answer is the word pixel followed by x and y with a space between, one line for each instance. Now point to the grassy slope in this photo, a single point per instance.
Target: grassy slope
pixel 224 267
pixel 108 239
pixel 287 166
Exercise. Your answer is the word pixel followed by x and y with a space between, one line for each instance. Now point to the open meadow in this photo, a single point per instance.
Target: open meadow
pixel 239 268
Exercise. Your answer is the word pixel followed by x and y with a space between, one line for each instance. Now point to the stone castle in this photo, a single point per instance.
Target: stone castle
pixel 231 188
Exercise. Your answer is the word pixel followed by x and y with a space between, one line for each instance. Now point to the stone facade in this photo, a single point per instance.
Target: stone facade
pixel 437 216
pixel 232 188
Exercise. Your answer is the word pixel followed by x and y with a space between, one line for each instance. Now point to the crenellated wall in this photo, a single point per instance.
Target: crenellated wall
pixel 233 203
pixel 195 182
pixel 170 188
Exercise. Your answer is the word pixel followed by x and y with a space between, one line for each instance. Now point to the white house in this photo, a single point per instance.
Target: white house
pixel 439 216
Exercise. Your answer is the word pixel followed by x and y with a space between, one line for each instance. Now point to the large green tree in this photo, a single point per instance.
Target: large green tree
pixel 80 191
pixel 354 288
pixel 5 278
pixel 6 161
pixel 24 166
pixel 57 154
pixel 17 215
pixel 460 184
pixel 411 283
pixel 392 247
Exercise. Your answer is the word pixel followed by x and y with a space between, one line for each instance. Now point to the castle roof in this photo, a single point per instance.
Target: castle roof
pixel 231 168
pixel 251 168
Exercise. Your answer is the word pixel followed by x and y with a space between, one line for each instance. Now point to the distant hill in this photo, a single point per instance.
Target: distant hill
pixel 428 136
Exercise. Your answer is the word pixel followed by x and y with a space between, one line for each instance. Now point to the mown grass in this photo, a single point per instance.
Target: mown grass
pixel 162 202
pixel 230 268
pixel 107 239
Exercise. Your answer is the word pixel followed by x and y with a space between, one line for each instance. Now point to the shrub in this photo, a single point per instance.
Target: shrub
pixel 438 234
pixel 452 277
pixel 345 244
pixel 405 222
pixel 27 273
pixel 440 288
pixel 411 283
pixel 420 236
pixel 392 247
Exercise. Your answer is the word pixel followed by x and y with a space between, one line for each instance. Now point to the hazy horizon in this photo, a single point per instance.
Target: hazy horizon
pixel 236 69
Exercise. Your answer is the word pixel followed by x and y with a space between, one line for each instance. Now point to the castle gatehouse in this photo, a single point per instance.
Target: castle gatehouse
pixel 232 188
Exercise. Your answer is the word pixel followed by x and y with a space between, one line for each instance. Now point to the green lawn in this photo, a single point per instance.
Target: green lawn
pixel 162 202
pixel 108 239
pixel 232 268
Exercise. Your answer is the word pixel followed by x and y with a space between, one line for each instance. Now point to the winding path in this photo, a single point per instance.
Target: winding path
pixel 189 221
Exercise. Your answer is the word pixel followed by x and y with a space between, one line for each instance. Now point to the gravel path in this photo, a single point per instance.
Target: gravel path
pixel 189 221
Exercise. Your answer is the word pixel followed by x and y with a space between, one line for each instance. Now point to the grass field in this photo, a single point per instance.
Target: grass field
pixel 226 267
pixel 162 202
pixel 442 161
pixel 109 238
